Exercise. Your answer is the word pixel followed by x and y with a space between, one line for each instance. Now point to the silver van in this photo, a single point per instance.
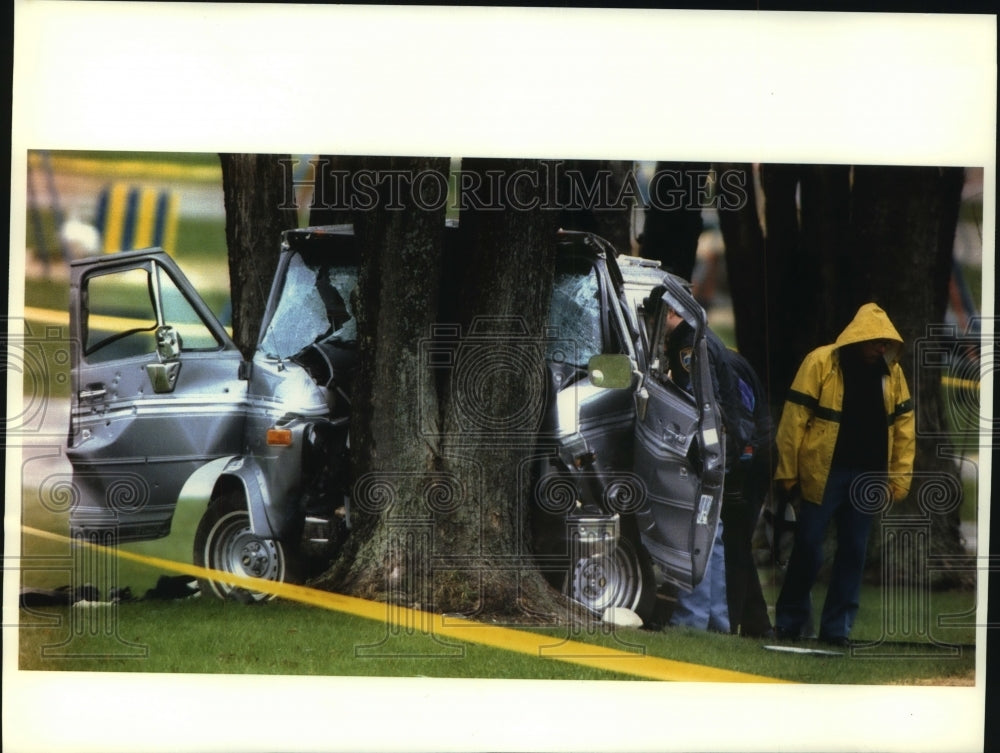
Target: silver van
pixel 627 478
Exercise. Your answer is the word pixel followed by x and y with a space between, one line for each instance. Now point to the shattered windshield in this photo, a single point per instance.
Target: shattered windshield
pixel 314 306
pixel 575 312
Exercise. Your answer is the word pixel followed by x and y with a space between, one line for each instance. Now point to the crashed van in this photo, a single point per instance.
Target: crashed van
pixel 627 476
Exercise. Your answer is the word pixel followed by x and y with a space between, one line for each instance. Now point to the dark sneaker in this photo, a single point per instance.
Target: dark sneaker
pixel 840 641
pixel 783 634
pixel 767 634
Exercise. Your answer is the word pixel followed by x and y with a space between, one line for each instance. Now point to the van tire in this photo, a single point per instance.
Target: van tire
pixel 225 541
pixel 622 579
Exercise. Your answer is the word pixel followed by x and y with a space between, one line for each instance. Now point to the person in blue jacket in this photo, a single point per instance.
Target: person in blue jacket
pixel 729 598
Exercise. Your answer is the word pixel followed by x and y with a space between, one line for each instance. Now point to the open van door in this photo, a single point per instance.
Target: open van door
pixel 679 450
pixel 157 391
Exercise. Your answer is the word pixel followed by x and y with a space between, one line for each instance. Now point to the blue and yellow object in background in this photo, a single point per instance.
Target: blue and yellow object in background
pixel 130 216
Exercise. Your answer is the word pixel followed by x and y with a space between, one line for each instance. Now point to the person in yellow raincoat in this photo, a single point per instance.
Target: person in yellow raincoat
pixel 845 442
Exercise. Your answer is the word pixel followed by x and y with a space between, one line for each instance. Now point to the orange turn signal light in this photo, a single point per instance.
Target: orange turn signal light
pixel 279 437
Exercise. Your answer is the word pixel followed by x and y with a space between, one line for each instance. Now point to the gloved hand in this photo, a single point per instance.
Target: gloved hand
pixel 785 495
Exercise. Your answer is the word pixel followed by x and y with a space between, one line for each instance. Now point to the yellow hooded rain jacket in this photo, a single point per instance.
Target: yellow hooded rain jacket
pixel 810 420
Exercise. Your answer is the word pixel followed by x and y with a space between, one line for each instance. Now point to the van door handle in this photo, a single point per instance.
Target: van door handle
pixel 93 394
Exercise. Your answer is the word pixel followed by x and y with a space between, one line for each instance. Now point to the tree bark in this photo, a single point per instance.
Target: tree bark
pixel 332 194
pixel 825 220
pixel 439 516
pixel 393 459
pixel 791 287
pixel 673 223
pixel 255 187
pixel 599 196
pixel 495 402
pixel 749 273
pixel 903 231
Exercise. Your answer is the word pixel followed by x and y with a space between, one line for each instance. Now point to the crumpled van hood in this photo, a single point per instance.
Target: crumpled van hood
pixel 872 323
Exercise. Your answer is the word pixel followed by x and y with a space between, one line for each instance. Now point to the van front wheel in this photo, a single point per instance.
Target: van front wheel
pixel 225 542
pixel 622 578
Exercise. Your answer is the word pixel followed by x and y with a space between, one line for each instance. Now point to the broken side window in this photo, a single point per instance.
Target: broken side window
pixel 575 312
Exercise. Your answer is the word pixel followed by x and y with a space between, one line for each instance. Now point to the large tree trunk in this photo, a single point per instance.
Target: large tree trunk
pixel 495 402
pixel 332 194
pixel 678 191
pixel 807 219
pixel 755 308
pixel 825 219
pixel 598 196
pixel 904 231
pixel 254 186
pixel 446 404
pixel 393 458
pixel 792 284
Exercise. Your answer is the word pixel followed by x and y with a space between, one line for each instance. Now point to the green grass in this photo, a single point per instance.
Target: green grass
pixel 206 635
pixel 40 292
pixel 54 294
pixel 974 279
pixel 963 414
pixel 203 240
pixel 726 333
pixel 969 510
pixel 209 636
pixel 750 656
pixel 44 512
pixel 43 235
pixel 42 361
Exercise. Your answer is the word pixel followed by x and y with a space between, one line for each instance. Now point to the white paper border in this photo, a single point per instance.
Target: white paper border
pixel 865 89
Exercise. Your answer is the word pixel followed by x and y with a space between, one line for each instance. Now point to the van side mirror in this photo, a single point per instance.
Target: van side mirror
pixel 611 371
pixel 163 375
pixel 168 344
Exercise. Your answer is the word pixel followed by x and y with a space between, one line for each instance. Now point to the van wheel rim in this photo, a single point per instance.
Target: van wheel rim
pixel 602 581
pixel 234 548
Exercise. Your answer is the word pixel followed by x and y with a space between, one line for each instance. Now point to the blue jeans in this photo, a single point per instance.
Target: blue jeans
pixel 794 607
pixel 705 608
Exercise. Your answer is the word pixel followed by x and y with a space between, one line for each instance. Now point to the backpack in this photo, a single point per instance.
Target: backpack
pixel 746 413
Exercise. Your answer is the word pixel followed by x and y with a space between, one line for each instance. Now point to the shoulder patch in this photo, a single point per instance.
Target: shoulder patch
pixel 685 358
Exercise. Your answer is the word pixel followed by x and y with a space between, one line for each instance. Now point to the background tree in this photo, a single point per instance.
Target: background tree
pixel 786 264
pixel 902 242
pixel 331 193
pixel 673 220
pixel 595 197
pixel 752 276
pixel 255 187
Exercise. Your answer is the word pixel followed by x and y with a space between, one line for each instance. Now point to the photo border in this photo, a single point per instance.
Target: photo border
pixel 785 87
